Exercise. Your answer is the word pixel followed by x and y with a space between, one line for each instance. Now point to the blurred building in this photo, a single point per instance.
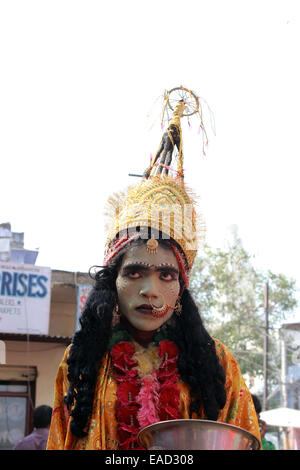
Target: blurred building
pixel 291 392
pixel 12 246
pixel 31 358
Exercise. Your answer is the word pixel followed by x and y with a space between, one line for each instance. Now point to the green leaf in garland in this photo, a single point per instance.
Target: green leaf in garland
pixel 119 333
pixel 166 332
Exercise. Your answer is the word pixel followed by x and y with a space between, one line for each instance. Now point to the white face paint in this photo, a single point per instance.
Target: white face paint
pixel 145 279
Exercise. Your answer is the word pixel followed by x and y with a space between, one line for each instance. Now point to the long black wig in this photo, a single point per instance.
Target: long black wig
pixel 198 363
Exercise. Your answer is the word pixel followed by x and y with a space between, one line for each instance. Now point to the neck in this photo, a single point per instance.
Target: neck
pixel 144 338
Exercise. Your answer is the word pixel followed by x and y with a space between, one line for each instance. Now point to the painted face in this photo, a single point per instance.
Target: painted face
pixel 146 279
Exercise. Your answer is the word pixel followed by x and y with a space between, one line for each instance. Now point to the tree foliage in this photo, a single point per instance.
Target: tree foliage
pixel 230 293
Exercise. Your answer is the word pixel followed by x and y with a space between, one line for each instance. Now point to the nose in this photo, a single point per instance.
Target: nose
pixel 149 288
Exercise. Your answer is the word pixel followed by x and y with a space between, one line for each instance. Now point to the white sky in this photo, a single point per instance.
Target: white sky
pixel 78 80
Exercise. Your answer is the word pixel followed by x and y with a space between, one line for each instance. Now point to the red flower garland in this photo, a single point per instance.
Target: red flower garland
pixel 143 402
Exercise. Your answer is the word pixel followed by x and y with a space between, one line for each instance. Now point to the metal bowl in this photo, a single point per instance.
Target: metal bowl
pixel 196 434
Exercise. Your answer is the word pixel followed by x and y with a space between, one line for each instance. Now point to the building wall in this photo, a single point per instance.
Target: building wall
pixel 64 301
pixel 45 356
pixel 62 311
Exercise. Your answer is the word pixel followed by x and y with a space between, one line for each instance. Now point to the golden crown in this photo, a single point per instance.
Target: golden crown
pixel 160 201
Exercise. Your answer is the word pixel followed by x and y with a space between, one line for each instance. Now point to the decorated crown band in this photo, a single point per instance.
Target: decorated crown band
pixel 161 202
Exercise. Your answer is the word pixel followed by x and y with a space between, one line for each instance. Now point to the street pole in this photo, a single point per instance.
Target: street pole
pixel 266 346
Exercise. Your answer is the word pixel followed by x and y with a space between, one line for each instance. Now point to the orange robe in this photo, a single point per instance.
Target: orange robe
pixel 102 434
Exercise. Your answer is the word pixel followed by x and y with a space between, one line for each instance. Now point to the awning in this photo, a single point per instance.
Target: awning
pixel 283 417
pixel 36 338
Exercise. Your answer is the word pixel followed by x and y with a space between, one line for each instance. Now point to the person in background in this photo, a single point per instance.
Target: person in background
pixel 37 440
pixel 266 445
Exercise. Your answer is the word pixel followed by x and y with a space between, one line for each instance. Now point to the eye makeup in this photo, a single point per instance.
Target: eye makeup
pixel 164 268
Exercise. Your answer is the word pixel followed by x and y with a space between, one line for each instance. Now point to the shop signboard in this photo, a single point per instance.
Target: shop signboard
pixel 25 294
pixel 83 291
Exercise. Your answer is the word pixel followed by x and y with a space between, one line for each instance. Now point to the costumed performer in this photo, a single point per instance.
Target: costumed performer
pixel 142 353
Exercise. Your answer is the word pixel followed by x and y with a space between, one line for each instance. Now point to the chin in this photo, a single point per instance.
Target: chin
pixel 145 324
pixel 148 328
pixel 153 324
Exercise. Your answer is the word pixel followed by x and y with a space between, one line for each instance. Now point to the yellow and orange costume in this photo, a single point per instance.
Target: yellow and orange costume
pixel 238 410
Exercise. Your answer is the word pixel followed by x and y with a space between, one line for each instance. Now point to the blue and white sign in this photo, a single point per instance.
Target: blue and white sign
pixel 25 294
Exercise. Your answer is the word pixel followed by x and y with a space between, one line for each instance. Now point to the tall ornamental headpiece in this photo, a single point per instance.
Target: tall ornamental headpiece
pixel 161 206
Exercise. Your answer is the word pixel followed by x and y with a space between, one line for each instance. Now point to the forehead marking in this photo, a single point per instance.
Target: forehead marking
pixel 148 265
